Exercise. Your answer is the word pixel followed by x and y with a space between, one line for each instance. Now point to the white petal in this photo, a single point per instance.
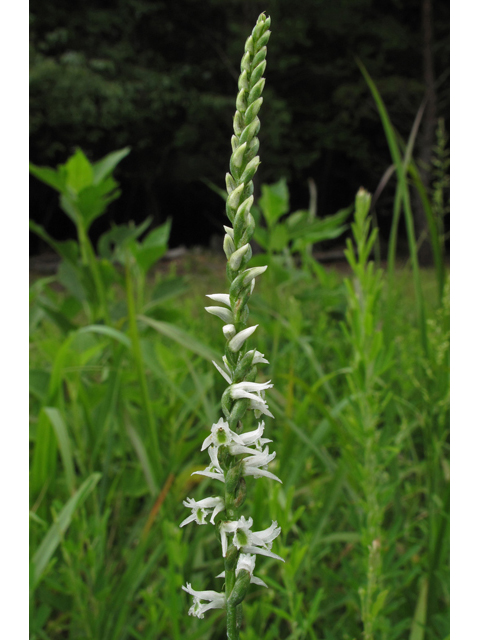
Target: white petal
pixel 209 474
pixel 222 313
pixel 229 331
pixel 237 341
pixel 224 298
pixel 262 552
pixel 187 520
pixel 222 372
pixel 251 386
pixel 259 473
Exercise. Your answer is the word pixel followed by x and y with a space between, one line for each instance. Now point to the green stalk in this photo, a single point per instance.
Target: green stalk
pixel 137 357
pixel 89 258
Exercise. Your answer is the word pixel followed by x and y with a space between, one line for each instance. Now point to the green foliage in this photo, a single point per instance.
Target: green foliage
pixel 117 569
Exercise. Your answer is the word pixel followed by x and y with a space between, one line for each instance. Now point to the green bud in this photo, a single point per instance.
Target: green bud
pixel 228 231
pixel 243 367
pixel 246 60
pixel 228 246
pixel 251 130
pixel 268 22
pixel 239 410
pixel 259 57
pixel 236 257
pixel 241 493
pixel 240 589
pixel 258 29
pixel 249 44
pixel 230 182
pixel 237 156
pixel 232 478
pixel 256 91
pixel 249 229
pixel 248 191
pixel 243 81
pixel 264 39
pixel 238 123
pixel 250 170
pixel 244 208
pixel 231 558
pixel 234 197
pixel 252 110
pixel 242 100
pixel 252 150
pixel 257 73
pixel 234 142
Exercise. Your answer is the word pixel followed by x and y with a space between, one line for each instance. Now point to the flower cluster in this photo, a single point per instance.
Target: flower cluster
pixel 235 454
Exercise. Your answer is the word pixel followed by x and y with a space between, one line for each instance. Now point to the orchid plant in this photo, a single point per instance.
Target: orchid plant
pixel 234 454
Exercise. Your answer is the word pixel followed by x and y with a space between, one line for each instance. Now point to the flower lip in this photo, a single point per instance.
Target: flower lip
pixel 216 601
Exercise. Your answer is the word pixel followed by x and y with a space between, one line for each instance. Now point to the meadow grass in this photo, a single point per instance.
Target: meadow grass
pixel 108 556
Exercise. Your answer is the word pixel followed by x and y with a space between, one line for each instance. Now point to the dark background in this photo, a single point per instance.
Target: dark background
pixel 161 77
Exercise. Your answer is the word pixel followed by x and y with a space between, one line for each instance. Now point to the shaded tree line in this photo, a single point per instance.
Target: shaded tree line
pixel 161 77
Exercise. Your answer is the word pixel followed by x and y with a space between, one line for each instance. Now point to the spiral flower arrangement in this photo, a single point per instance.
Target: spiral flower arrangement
pixel 234 454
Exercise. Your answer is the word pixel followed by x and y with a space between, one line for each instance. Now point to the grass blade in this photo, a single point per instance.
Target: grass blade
pixel 60 428
pixel 54 535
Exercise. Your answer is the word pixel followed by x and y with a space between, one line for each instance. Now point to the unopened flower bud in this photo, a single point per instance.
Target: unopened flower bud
pixel 237 341
pixel 237 155
pixel 229 331
pixel 258 72
pixel 222 313
pixel 228 246
pixel 236 257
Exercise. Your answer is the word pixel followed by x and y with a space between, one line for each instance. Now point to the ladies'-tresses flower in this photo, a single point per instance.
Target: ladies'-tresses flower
pixel 258 358
pixel 254 542
pixel 214 470
pixel 246 561
pixel 215 601
pixel 202 509
pixel 227 439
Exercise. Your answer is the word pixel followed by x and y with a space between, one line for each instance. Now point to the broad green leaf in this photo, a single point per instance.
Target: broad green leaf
pixel 278 238
pixel 112 243
pixel 274 201
pixel 94 199
pixel 53 537
pixel 67 249
pixel 106 165
pixel 60 428
pixel 153 247
pixel 54 179
pixel 79 171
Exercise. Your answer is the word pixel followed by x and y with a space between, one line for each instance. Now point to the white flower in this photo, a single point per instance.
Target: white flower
pixel 257 401
pixel 216 601
pixel 238 390
pixel 246 561
pixel 224 298
pixel 202 509
pixel 213 470
pixel 257 542
pixel 252 465
pixel 222 313
pixel 221 434
pixel 255 437
pixel 223 373
pixel 257 357
pixel 229 331
pixel 237 341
